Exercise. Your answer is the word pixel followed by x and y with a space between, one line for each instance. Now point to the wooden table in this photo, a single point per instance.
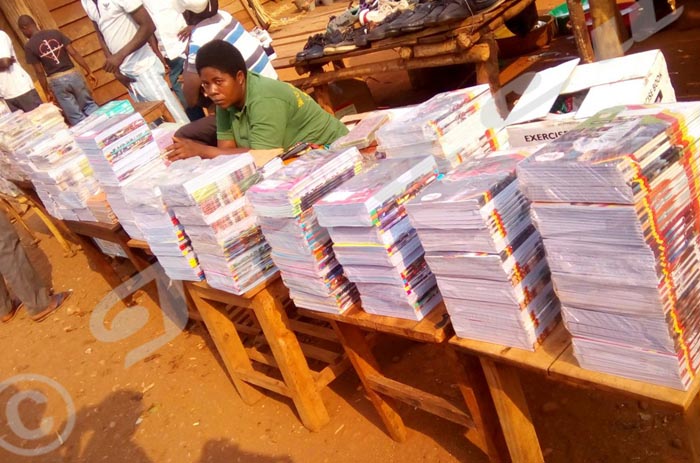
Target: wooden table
pixel 153 110
pixel 470 41
pixel 555 359
pixel 478 416
pixel 264 343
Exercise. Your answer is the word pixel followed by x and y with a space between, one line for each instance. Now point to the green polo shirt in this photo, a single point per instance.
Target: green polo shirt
pixel 275 115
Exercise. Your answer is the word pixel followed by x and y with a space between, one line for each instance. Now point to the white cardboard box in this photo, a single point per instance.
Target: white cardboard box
pixel 640 78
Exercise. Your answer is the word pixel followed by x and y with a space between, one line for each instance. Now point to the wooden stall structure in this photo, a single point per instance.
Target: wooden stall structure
pixel 69 17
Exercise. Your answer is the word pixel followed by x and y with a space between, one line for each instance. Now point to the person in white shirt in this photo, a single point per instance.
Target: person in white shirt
pixel 16 87
pixel 172 34
pixel 124 29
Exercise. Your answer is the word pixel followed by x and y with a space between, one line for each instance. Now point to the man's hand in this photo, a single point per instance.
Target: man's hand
pixel 183 148
pixel 124 80
pixel 185 34
pixel 92 80
pixel 113 62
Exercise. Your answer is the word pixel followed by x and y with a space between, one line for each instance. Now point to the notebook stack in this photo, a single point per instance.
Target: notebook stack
pixel 119 145
pixel 160 227
pixel 374 241
pixel 301 248
pixel 208 198
pixel 617 204
pixel 364 133
pixel 451 126
pixel 487 256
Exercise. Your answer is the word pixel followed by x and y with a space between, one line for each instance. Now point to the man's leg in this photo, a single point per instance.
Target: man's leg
pixel 176 67
pixel 5 299
pixel 150 85
pixel 202 130
pixel 62 90
pixel 19 272
pixel 82 93
pixel 26 102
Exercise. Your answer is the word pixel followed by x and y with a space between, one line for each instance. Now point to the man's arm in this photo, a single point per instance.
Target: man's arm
pixel 183 148
pixel 78 58
pixel 41 75
pixel 145 30
pixel 5 63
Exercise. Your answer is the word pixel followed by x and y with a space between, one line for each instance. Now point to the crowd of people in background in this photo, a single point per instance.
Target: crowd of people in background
pixel 150 47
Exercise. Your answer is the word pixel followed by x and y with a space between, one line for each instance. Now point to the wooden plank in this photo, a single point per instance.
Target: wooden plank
pixel 366 365
pixel 111 91
pixel 244 299
pixel 87 45
pixel 55 4
pixel 228 344
pixel 580 30
pixel 261 357
pixel 12 9
pixel 331 372
pixel 692 423
pixel 540 360
pixel 513 412
pixel 78 29
pixel 420 399
pixel 264 381
pixel 68 13
pixel 566 369
pixel 320 332
pixel 289 356
pixel 435 327
pixel 319 353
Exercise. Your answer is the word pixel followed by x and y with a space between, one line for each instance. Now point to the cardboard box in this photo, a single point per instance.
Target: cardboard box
pixel 641 78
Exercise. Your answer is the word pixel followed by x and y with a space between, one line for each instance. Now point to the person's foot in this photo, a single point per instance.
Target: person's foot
pixel 56 301
pixel 16 305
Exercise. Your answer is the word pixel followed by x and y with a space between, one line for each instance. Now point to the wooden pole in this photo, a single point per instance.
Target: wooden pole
pixel 37 9
pixel 581 37
pixel 606 29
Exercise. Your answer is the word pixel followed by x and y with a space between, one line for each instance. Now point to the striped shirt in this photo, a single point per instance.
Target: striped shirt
pixel 223 26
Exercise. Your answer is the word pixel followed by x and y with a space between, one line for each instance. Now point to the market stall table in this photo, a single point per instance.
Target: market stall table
pixel 478 416
pixel 555 359
pixel 260 343
pixel 469 41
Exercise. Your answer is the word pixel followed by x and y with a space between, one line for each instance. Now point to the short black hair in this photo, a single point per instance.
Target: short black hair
pixel 220 55
pixel 25 20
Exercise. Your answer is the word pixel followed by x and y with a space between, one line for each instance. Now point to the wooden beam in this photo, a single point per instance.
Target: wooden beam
pixel 476 54
pixel 13 9
pixel 580 30
pixel 420 399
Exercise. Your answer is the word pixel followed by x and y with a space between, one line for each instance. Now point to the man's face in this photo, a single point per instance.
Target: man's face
pixel 222 88
pixel 27 31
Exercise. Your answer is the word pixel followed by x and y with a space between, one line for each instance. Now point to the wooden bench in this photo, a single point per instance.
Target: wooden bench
pixel 264 342
pixel 476 412
pixel 555 359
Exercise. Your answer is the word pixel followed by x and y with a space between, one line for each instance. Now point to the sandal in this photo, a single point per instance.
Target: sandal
pixel 16 305
pixel 56 301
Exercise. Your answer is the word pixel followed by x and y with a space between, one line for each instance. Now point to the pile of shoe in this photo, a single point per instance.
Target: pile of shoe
pixel 380 19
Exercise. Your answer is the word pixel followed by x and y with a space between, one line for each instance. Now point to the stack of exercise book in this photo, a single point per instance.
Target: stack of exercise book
pixel 617 204
pixel 160 227
pixel 301 248
pixel 208 199
pixel 451 126
pixel 487 256
pixel 374 241
pixel 119 145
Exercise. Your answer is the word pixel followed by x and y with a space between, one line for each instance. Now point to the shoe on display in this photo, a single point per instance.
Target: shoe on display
pixel 313 48
pixel 379 32
pixel 417 21
pixel 455 11
pixel 339 42
pixel 432 18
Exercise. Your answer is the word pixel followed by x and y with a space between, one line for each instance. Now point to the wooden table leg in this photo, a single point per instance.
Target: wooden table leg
pixel 360 354
pixel 290 359
pixel 486 434
pixel 580 29
pixel 513 412
pixel 692 424
pixel 229 346
pixel 488 72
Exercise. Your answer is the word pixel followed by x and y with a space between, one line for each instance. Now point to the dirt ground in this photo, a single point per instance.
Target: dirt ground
pixel 176 404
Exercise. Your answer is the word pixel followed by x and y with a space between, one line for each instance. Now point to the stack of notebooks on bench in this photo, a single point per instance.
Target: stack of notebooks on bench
pixel 208 199
pixel 160 227
pixel 119 145
pixel 617 204
pixel 374 241
pixel 487 256
pixel 301 248
pixel 451 126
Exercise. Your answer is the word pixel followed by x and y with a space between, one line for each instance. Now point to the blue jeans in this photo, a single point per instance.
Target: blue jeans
pixel 176 67
pixel 73 96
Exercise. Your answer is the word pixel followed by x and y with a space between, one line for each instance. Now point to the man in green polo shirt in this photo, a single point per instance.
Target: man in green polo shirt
pixel 253 112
